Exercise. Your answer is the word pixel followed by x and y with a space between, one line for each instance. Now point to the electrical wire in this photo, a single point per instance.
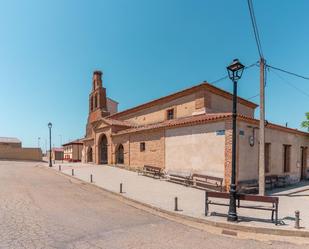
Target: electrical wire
pixel 290 84
pixel 254 96
pixel 226 77
pixel 287 72
pixel 255 28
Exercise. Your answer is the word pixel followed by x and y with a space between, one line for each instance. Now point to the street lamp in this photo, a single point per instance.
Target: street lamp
pixel 50 152
pixel 235 70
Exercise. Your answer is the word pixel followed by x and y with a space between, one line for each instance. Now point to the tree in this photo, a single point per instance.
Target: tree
pixel 305 124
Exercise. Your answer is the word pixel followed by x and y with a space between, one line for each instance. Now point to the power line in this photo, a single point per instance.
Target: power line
pixel 252 65
pixel 254 96
pixel 218 80
pixel 290 84
pixel 255 28
pixel 287 72
pixel 225 77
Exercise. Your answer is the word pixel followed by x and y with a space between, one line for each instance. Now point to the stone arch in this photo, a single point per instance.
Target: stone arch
pixel 103 149
pixel 119 155
pixel 89 155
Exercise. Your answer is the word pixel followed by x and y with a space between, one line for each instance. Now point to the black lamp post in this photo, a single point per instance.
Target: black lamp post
pixel 235 70
pixel 50 150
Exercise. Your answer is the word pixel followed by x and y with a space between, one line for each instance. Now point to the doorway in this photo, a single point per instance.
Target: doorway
pixel 103 150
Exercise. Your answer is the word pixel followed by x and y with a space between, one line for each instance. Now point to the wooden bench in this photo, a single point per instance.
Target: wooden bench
pixel 179 178
pixel 282 181
pixel 248 186
pixel 243 197
pixel 201 181
pixel 271 181
pixel 152 171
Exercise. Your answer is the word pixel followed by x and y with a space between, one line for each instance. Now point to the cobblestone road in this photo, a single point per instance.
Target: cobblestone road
pixel 41 209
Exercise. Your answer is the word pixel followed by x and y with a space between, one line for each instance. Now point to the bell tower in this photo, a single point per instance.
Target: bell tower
pixel 97 99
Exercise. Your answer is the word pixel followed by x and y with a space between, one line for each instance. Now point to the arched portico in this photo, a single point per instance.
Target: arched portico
pixel 89 155
pixel 119 155
pixel 103 150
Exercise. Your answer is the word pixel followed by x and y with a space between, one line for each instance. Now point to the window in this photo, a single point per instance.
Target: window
pixel 95 101
pixel 170 114
pixel 267 157
pixel 91 103
pixel 241 133
pixel 220 132
pixel 286 158
pixel 142 146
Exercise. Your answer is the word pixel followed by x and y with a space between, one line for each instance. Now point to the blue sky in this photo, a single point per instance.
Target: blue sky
pixel 146 49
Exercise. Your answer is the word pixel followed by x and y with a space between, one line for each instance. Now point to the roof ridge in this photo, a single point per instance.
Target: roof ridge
pixel 184 92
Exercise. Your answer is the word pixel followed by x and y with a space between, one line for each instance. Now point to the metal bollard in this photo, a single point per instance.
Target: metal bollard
pixel 120 191
pixel 72 172
pixel 176 204
pixel 59 167
pixel 297 219
pixel 91 180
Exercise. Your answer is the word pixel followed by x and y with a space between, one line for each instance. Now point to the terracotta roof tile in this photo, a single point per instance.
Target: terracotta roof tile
pixel 9 140
pixel 118 122
pixel 178 122
pixel 205 118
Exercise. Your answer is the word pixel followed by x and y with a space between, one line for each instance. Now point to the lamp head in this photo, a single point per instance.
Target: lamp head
pixel 235 70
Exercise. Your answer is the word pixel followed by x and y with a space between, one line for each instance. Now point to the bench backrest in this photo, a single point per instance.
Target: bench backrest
pixel 218 195
pixel 258 198
pixel 206 177
pixel 244 197
pixel 270 177
pixel 152 168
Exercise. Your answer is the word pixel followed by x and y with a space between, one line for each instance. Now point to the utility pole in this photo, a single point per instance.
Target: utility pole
pixel 262 130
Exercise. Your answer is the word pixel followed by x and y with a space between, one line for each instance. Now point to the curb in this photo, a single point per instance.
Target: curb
pixel 157 211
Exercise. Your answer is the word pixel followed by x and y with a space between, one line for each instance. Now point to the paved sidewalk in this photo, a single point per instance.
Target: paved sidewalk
pixel 161 194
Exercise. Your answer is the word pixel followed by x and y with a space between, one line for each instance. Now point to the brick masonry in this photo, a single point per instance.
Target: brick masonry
pixel 228 154
pixel 154 148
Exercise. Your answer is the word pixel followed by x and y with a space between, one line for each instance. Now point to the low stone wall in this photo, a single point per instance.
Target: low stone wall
pixel 34 154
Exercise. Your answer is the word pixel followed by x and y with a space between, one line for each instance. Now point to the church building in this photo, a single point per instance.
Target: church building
pixel 189 131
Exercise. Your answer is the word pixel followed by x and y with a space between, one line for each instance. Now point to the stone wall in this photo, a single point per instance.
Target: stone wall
pixel 196 149
pixel 199 102
pixel 248 160
pixel 154 149
pixel 34 154
pixel 133 156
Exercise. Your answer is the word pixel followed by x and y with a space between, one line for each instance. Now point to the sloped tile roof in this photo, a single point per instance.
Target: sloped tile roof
pixel 77 141
pixel 202 118
pixel 9 140
pixel 203 86
pixel 117 122
pixel 206 118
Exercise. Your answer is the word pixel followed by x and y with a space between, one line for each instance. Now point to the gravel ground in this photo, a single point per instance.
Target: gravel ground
pixel 41 209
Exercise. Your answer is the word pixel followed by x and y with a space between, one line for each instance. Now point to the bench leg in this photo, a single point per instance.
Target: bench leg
pixel 206 203
pixel 272 215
